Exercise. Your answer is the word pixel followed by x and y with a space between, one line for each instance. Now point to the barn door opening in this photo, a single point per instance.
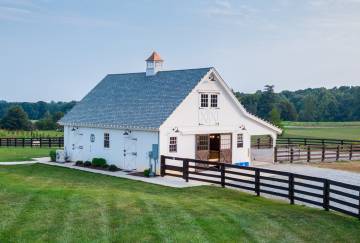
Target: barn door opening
pixel 226 148
pixel 214 147
pixel 130 153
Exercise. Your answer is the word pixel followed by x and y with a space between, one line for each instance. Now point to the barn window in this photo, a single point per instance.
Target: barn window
pixel 240 142
pixel 204 102
pixel 173 145
pixel 106 140
pixel 214 100
pixel 202 142
pixel 225 141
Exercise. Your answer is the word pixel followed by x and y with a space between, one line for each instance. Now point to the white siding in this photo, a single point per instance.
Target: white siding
pixel 74 140
pixel 230 119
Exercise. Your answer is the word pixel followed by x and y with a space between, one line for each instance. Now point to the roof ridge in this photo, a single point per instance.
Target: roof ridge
pixel 163 71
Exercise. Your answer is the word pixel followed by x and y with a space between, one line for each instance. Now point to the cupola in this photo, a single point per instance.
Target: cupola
pixel 154 64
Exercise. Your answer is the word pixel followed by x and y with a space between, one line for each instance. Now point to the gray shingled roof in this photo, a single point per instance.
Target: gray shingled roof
pixel 134 100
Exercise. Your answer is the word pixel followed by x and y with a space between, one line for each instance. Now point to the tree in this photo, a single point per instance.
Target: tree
pixel 287 110
pixel 274 117
pixel 308 113
pixel 16 119
pixel 266 102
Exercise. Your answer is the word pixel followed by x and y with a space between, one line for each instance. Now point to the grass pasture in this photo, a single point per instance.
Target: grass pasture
pixel 329 130
pixel 10 154
pixel 43 203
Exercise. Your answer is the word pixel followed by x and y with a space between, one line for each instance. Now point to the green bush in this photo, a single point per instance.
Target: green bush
pixel 87 164
pixel 113 168
pixel 98 162
pixel 147 172
pixel 79 163
pixel 52 155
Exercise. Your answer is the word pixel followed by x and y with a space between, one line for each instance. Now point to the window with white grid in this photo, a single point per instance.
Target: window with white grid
pixel 173 145
pixel 204 100
pixel 106 140
pixel 240 142
pixel 214 100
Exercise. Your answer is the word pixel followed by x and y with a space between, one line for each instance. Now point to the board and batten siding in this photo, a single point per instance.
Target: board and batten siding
pixel 86 150
pixel 186 119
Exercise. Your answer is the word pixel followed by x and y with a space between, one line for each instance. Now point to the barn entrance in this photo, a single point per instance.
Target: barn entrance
pixel 214 147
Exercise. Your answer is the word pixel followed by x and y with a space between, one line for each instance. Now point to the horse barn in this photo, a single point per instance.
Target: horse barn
pixel 130 119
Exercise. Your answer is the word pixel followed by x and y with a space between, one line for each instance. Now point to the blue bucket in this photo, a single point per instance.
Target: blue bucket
pixel 242 164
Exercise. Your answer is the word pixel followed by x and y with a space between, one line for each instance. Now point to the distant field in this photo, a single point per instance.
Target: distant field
pixel 22 154
pixel 331 130
pixel 29 134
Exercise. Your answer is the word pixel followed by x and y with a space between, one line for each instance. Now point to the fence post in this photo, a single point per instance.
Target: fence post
pixel 308 154
pixel 23 142
pixel 305 141
pixel 31 142
pixel 275 154
pixel 291 154
pixel 257 182
pixel 49 142
pixel 186 170
pixel 359 206
pixel 337 153
pixel 323 153
pixel 291 188
pixel 40 142
pixel 7 142
pixel 326 195
pixel 258 143
pixel 162 166
pixel 350 153
pixel 222 167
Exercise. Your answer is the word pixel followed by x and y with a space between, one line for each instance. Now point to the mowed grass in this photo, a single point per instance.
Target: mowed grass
pixel 330 130
pixel 40 203
pixel 9 154
pixel 29 134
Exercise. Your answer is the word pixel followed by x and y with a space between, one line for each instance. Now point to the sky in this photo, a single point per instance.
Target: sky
pixel 59 50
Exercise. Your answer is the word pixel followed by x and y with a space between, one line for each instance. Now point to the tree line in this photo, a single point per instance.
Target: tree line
pixel 32 116
pixel 319 104
pixel 312 104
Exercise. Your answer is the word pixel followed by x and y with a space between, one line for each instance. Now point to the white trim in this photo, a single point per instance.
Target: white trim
pixel 115 127
pixel 239 105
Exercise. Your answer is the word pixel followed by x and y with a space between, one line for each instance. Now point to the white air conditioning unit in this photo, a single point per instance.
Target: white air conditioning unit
pixel 60 156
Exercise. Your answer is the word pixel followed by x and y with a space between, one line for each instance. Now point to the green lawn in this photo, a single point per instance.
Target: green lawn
pixel 29 134
pixel 22 154
pixel 41 203
pixel 332 130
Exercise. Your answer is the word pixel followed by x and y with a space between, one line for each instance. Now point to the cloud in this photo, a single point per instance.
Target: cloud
pixel 30 11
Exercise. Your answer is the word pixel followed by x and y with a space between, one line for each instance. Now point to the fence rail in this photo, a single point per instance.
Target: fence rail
pixel 292 153
pixel 266 141
pixel 297 188
pixel 32 142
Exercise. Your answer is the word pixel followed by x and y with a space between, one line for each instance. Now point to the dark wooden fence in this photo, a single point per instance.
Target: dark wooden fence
pixel 316 153
pixel 266 141
pixel 32 142
pixel 325 193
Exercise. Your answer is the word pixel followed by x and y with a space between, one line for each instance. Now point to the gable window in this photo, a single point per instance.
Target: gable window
pixel 173 145
pixel 240 142
pixel 204 102
pixel 106 140
pixel 214 100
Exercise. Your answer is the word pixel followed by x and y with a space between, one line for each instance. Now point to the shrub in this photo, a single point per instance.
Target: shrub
pixel 52 155
pixel 105 166
pixel 147 173
pixel 79 163
pixel 98 162
pixel 113 168
pixel 87 164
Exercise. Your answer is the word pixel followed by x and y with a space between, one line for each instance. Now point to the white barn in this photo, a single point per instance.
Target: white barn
pixel 188 113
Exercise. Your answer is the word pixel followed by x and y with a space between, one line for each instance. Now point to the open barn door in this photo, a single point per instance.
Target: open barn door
pixel 226 148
